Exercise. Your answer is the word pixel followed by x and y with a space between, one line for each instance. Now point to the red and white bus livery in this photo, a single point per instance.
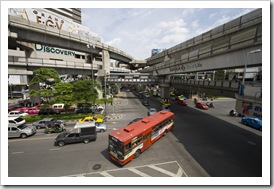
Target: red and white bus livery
pixel 130 141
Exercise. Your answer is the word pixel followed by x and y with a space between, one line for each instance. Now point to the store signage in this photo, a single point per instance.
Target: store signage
pixel 186 67
pixel 54 50
pixel 48 19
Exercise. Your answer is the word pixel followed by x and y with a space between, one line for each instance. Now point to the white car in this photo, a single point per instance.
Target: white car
pixel 100 127
pixel 15 121
pixel 151 111
pixel 17 113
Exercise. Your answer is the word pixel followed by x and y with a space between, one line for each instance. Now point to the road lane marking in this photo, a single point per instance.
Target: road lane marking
pixel 28 139
pixel 105 174
pixel 138 172
pixel 54 149
pixel 179 173
pixel 162 170
pixel 17 152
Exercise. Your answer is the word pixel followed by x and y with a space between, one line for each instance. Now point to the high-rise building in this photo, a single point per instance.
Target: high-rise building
pixel 71 13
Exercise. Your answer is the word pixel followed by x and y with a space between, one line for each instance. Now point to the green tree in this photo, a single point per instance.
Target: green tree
pixel 47 77
pixel 220 75
pixel 63 93
pixel 83 91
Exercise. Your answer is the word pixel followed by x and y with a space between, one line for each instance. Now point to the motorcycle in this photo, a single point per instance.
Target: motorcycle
pixel 232 113
pixel 210 104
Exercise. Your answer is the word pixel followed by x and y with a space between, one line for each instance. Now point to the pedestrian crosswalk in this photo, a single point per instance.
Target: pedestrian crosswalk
pixel 166 169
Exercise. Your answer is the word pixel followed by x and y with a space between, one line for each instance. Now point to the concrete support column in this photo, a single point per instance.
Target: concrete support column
pixel 165 92
pixel 106 61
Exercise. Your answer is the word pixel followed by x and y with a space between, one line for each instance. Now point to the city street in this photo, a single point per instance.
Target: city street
pixel 201 144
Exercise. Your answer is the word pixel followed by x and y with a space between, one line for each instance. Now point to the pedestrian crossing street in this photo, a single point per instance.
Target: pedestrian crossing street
pixel 166 169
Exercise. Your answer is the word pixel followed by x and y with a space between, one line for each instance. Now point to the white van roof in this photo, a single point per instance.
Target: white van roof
pixel 85 124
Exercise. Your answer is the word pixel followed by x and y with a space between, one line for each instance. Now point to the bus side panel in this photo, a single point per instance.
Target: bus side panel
pixel 146 141
pixel 158 134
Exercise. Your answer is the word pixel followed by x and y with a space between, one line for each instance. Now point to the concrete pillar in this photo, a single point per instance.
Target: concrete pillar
pixel 165 92
pixel 106 61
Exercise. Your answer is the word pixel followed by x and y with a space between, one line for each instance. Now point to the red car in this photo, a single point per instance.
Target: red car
pixel 182 102
pixel 23 109
pixel 201 106
pixel 33 110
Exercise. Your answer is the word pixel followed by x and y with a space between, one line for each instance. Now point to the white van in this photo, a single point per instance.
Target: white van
pixel 15 121
pixel 100 127
pixel 60 107
pixel 84 124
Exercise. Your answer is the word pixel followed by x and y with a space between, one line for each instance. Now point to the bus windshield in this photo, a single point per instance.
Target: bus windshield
pixel 116 146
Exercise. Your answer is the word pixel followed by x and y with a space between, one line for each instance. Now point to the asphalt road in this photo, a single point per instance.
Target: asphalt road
pixel 200 145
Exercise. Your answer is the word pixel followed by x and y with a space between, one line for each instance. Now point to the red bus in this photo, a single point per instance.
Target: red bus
pixel 129 141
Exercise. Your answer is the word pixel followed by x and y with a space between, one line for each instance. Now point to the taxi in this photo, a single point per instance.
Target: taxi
pixel 164 103
pixel 181 97
pixel 91 118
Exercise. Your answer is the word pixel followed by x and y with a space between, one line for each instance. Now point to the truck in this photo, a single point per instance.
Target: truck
pixel 83 134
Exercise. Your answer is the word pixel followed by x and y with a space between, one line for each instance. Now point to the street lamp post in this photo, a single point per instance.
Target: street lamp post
pixel 92 63
pixel 243 80
pixel 93 84
pixel 105 93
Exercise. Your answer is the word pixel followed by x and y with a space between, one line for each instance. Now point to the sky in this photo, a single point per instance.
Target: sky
pixel 139 30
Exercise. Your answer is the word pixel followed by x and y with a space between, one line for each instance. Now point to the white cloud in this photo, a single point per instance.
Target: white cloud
pixel 116 42
pixel 195 24
pixel 173 31
pixel 171 24
pixel 141 13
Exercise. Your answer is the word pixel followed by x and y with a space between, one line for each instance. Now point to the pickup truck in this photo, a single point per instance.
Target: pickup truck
pixel 78 135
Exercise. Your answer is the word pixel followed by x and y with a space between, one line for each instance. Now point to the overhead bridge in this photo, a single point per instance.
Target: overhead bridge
pixel 227 46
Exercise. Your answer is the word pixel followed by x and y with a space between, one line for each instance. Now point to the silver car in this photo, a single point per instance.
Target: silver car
pixel 151 111
pixel 46 121
pixel 22 131
pixel 100 127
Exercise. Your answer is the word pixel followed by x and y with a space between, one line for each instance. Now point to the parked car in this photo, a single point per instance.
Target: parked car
pixel 182 102
pixel 145 102
pixel 16 113
pixel 48 121
pixel 48 111
pixel 201 105
pixel 22 131
pixel 85 134
pixel 32 111
pixel 15 121
pixel 165 107
pixel 99 107
pixel 151 111
pixel 135 120
pixel 56 128
pixel 23 109
pixel 252 122
pixel 61 107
